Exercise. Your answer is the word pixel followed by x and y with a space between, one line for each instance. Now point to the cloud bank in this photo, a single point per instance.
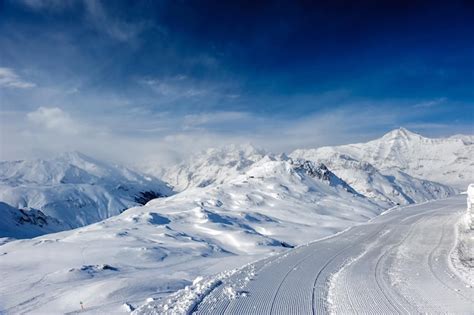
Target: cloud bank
pixel 143 138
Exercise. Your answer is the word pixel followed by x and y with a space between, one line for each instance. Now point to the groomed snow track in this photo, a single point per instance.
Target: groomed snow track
pixel 396 264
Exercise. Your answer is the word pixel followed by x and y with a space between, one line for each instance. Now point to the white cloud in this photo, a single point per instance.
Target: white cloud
pixel 54 119
pixel 9 79
pixel 137 137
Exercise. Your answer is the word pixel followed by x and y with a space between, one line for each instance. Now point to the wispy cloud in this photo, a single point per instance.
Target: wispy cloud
pixel 138 137
pixel 140 79
pixel 9 79
pixel 116 28
pixel 178 86
pixel 53 5
pixel 431 103
pixel 206 120
pixel 96 15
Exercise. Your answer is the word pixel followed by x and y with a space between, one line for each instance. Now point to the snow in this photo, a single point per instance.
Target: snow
pixel 443 160
pixel 470 205
pixel 235 205
pixel 394 264
pixel 161 247
pixel 25 223
pixel 462 256
pixel 75 189
pixel 184 301
pixel 388 188
pixel 421 269
pixel 212 166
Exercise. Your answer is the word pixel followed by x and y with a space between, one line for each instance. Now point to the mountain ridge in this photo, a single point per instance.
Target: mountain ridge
pixel 237 206
pixel 444 160
pixel 76 189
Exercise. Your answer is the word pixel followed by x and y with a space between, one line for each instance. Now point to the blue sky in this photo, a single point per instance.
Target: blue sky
pixel 165 78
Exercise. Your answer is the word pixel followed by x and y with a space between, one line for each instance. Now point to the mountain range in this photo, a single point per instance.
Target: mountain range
pixel 444 160
pixel 75 189
pixel 217 210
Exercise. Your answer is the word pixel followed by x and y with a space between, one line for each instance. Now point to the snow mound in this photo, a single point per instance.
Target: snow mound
pixel 183 301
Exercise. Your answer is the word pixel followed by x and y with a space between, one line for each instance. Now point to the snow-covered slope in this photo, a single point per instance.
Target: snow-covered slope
pixel 213 166
pixel 388 188
pixel 25 223
pixel 75 189
pixel 160 247
pixel 445 160
pixel 236 205
pixel 395 264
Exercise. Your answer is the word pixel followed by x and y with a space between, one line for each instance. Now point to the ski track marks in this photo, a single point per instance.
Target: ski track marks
pixel 396 264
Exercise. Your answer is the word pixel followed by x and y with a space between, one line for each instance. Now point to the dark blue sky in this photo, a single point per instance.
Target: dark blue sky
pixel 223 69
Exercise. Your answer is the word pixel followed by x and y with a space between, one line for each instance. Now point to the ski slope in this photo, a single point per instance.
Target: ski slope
pixel 398 262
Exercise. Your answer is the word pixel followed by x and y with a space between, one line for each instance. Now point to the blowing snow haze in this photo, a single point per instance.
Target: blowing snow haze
pixel 236 157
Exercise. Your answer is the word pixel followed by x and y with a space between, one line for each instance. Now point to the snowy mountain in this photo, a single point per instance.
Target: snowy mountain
pixel 236 205
pixel 161 247
pixel 213 166
pixel 217 166
pixel 75 189
pixel 444 160
pixel 25 223
pixel 387 188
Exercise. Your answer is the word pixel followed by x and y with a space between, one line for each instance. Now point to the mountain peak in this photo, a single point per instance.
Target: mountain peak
pixel 401 133
pixel 215 165
pixel 245 149
pixel 76 156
